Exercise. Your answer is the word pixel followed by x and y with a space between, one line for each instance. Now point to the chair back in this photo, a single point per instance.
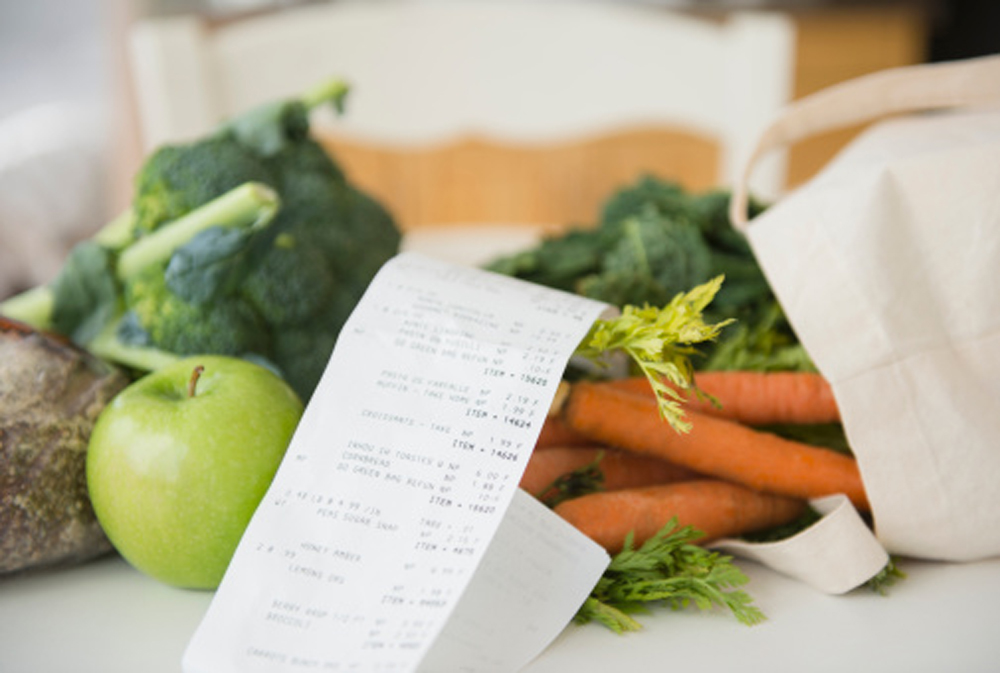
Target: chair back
pixel 488 111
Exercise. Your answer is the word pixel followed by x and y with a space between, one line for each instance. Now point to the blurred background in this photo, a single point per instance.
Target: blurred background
pixel 71 137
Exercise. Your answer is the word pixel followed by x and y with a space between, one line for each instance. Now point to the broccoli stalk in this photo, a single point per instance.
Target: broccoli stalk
pixel 33 307
pixel 85 302
pixel 248 207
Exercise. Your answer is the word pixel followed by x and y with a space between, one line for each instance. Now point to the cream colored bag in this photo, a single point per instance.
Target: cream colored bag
pixel 887 264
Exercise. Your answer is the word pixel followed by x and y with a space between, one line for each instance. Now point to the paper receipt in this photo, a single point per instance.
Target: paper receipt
pixel 392 507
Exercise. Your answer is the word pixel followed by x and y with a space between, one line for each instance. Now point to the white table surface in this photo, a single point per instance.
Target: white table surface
pixel 105 617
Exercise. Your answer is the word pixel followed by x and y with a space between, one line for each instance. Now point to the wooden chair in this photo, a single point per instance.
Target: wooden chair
pixel 472 112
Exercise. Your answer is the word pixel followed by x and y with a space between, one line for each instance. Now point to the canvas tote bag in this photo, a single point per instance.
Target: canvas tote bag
pixel 887 263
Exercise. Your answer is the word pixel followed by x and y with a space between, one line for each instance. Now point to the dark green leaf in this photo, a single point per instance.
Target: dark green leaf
pixel 210 265
pixel 86 293
pixel 268 128
pixel 131 332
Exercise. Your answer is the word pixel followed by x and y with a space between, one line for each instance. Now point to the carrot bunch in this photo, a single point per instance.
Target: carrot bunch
pixel 723 476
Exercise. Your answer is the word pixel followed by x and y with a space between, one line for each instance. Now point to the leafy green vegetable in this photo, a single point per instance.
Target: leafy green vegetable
pixel 808 517
pixel 653 239
pixel 85 295
pixel 649 260
pixel 879 583
pixel 210 266
pixel 671 570
pixel 886 577
pixel 766 345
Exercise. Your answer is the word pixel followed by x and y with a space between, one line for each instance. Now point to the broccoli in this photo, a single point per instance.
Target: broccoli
pixel 176 180
pixel 162 319
pixel 277 294
pixel 87 300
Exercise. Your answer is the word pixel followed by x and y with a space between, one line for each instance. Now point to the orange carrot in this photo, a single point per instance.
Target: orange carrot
pixel 757 398
pixel 714 446
pixel 555 432
pixel 621 469
pixel 716 508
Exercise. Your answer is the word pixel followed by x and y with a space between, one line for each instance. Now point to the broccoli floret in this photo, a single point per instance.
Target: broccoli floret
pixel 301 353
pixel 291 283
pixel 366 236
pixel 303 159
pixel 230 327
pixel 176 179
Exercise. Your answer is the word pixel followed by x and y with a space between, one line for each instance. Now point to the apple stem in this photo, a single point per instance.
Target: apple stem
pixel 195 375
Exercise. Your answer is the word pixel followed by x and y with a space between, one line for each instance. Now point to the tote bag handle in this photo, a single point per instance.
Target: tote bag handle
pixel 967 83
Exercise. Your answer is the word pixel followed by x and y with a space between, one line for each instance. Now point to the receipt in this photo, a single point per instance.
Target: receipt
pixel 388 540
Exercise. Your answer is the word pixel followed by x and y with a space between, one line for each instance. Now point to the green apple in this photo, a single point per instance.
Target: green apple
pixel 179 460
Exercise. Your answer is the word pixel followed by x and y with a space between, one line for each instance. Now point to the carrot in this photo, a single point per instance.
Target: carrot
pixel 555 432
pixel 716 508
pixel 757 398
pixel 714 446
pixel 621 469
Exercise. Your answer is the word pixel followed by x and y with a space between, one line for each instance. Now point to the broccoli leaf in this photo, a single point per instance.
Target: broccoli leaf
pixel 210 265
pixel 130 331
pixel 86 293
pixel 268 128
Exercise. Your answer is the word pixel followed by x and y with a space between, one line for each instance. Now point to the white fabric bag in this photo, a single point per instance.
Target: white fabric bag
pixel 887 264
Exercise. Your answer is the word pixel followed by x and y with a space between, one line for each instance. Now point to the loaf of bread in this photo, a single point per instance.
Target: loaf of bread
pixel 51 393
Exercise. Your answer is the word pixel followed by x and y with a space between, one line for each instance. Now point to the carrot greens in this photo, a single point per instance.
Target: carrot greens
pixel 669 569
pixel 586 479
pixel 661 342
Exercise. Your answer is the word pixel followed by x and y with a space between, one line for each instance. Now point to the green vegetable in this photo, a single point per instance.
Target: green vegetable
pixel 581 481
pixel 667 569
pixel 277 294
pixel 87 300
pixel 765 345
pixel 660 342
pixel 886 577
pixel 653 239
